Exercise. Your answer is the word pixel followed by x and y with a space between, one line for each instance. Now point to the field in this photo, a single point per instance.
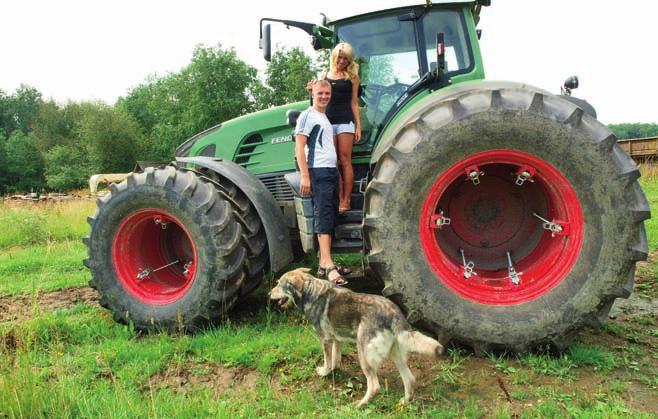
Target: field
pixel 61 355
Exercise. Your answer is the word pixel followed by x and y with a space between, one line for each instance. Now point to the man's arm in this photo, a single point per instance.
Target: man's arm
pixel 305 184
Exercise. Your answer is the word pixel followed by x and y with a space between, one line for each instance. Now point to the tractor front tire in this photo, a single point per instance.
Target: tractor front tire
pixel 166 251
pixel 453 219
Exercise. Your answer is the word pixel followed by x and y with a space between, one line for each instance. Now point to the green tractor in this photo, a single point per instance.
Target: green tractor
pixel 496 214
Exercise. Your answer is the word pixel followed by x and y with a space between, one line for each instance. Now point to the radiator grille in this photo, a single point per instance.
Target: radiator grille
pixel 246 151
pixel 277 186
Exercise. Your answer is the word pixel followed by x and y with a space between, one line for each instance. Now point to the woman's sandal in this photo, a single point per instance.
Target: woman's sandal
pixel 323 273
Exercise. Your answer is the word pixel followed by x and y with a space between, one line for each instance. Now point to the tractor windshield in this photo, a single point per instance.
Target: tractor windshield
pixel 396 48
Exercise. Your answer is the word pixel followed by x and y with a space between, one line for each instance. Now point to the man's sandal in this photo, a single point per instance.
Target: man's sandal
pixel 323 273
pixel 342 270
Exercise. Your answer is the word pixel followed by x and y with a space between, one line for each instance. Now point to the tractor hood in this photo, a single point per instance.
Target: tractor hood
pixel 260 142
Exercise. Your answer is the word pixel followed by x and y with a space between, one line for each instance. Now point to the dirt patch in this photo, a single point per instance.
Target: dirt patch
pixel 182 379
pixel 646 278
pixel 18 308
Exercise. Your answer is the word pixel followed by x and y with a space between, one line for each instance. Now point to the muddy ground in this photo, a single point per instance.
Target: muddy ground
pixel 478 378
pixel 19 308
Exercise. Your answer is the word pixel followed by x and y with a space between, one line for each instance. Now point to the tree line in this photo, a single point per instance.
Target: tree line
pixel 56 147
pixel 49 146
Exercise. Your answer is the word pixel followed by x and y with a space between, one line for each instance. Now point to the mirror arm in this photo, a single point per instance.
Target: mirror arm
pixel 306 27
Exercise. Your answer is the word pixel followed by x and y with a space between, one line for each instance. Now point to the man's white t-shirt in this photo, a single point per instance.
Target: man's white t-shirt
pixel 320 151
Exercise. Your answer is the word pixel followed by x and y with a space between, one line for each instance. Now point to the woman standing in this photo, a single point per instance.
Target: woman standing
pixel 343 113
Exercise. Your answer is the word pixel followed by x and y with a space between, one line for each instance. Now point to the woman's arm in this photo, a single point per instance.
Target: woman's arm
pixel 355 109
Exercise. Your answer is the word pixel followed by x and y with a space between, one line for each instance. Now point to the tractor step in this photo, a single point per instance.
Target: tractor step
pixel 348 237
pixel 357 200
pixel 346 246
pixel 351 216
pixel 348 231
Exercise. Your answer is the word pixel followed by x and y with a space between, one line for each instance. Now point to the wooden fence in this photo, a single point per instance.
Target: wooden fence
pixel 640 149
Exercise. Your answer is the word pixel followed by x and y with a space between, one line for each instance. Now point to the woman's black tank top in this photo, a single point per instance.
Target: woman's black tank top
pixel 339 110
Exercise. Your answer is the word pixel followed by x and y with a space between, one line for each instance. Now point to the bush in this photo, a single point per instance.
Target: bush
pixel 67 167
pixel 24 163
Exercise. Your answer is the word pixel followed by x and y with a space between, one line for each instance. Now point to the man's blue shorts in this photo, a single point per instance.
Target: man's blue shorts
pixel 324 190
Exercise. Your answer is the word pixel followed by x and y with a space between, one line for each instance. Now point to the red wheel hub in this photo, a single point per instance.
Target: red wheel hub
pixel 501 227
pixel 154 256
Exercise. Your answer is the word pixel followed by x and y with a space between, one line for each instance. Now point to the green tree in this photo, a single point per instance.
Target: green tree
pixel 634 130
pixel 111 137
pixel 141 102
pixel 19 110
pixel 66 167
pixel 214 87
pixel 3 164
pixel 286 77
pixel 52 126
pixel 24 168
pixel 5 114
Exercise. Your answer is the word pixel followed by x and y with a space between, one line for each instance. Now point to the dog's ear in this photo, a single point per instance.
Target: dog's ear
pixel 308 275
pixel 303 270
pixel 296 278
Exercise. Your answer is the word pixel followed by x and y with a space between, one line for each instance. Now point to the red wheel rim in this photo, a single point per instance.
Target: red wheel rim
pixel 154 256
pixel 477 207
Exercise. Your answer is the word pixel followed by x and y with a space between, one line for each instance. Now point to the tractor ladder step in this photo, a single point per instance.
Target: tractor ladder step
pixel 348 237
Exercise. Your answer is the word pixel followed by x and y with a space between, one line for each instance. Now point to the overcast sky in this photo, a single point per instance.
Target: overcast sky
pixel 100 49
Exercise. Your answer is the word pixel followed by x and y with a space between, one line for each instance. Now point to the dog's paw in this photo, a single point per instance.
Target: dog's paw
pixel 322 371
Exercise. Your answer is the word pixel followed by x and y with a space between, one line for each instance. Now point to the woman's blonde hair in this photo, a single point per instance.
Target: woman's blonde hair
pixel 352 69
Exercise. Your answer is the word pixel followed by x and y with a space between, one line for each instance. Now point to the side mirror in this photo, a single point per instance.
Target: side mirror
pixel 266 43
pixel 569 84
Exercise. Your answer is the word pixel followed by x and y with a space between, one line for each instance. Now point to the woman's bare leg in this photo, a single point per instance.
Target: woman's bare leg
pixel 345 142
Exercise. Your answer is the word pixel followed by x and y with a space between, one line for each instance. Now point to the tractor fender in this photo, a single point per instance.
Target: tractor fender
pixel 278 238
pixel 407 113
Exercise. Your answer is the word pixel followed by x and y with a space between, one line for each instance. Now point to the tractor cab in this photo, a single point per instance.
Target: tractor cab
pixel 403 53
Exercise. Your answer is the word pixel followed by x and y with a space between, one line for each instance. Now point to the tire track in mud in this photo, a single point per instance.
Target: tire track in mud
pixel 23 306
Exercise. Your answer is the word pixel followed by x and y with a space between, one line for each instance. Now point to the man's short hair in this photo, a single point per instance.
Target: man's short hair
pixel 322 82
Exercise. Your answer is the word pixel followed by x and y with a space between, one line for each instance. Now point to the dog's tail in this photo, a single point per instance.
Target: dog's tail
pixel 417 342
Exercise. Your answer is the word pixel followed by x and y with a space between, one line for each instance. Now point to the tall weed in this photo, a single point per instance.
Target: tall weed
pixel 37 223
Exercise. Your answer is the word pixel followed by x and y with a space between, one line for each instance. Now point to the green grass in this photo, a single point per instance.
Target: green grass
pixel 42 267
pixel 27 223
pixel 583 355
pixel 78 362
pixel 41 247
pixel 649 183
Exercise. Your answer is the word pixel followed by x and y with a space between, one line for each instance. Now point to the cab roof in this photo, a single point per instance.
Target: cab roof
pixel 364 8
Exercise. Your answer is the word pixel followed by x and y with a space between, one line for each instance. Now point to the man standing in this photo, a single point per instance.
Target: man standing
pixel 316 157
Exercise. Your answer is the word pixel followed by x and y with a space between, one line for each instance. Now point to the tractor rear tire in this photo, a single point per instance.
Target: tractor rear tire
pixel 452 181
pixel 166 251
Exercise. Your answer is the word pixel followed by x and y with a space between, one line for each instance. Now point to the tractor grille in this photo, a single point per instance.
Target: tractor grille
pixel 277 186
pixel 246 152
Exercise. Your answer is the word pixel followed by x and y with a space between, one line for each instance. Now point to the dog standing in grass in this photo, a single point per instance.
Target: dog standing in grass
pixel 375 323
